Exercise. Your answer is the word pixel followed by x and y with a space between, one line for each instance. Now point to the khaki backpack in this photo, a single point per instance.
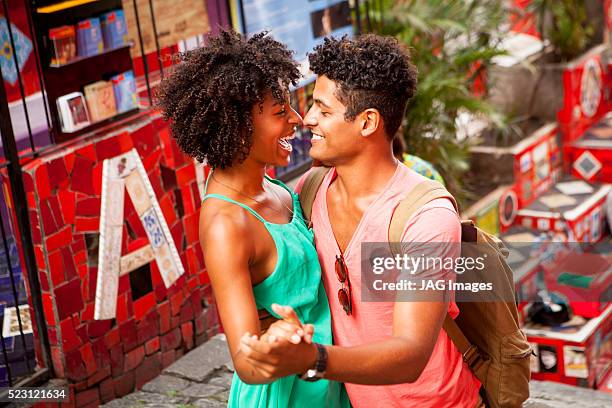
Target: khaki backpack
pixel 487 334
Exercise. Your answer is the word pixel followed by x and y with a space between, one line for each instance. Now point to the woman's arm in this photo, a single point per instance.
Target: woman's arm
pixel 228 247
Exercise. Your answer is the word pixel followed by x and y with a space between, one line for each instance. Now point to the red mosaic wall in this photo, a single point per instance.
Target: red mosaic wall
pixel 106 359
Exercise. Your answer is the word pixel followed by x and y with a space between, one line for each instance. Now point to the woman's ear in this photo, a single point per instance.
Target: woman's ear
pixel 371 120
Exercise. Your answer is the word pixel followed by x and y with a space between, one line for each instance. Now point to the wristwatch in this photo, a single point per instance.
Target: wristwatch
pixel 318 372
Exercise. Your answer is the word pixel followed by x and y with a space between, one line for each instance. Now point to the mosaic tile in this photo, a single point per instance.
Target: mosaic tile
pixel 136 259
pixel 125 142
pixel 32 199
pixel 28 182
pixel 88 207
pixel 87 152
pixel 88 312
pixel 40 257
pixel 168 209
pixel 43 189
pixel 195 191
pixel 144 140
pixel 112 338
pixel 48 221
pixel 107 148
pixel 52 335
pixel 186 174
pixel 100 350
pixel 116 358
pixel 75 367
pixel 67 203
pixel 89 359
pixel 86 224
pixel 79 256
pixel 138 192
pixel 144 305
pixel 56 169
pixel 109 263
pixel 151 163
pixel 168 177
pixel 129 335
pixel 191 223
pixel 70 339
pixel 44 281
pixel 97 178
pixel 68 299
pixel 59 239
pixel 70 268
pixel 81 178
pixel 69 159
pixel 56 210
pixel 56 267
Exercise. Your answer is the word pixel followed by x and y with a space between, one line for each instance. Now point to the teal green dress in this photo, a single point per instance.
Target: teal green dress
pixel 295 281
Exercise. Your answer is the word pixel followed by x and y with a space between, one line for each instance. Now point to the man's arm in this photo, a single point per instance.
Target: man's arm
pixel 416 326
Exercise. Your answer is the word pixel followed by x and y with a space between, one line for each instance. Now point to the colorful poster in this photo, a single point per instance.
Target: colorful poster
pixel 301 24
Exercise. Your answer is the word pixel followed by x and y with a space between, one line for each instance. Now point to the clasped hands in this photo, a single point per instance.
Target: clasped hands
pixel 284 349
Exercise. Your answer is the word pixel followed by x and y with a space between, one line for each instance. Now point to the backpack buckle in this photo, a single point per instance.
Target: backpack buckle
pixel 472 357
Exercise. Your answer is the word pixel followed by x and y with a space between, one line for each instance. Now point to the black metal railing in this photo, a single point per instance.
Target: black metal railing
pixel 17 342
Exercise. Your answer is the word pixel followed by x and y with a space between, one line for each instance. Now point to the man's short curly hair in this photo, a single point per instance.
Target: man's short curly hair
pixel 371 71
pixel 210 94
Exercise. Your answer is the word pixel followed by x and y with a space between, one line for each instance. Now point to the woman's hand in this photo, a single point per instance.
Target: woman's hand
pixel 282 330
pixel 290 328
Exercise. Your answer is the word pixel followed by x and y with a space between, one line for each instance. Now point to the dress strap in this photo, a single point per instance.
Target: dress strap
pixel 280 183
pixel 229 200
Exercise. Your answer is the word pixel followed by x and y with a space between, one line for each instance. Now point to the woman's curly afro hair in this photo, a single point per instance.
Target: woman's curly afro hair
pixel 371 71
pixel 210 95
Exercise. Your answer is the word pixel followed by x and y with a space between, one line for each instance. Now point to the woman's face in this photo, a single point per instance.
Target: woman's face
pixel 274 125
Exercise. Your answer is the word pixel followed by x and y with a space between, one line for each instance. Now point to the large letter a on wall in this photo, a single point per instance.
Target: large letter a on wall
pixel 120 173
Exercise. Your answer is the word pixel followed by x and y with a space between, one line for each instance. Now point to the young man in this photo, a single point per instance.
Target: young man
pixel 360 97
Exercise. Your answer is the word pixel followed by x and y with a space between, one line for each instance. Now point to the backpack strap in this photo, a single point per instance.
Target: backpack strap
pixel 311 185
pixel 421 194
pixel 470 353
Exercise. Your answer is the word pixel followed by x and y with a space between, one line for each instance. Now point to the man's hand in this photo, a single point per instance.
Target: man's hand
pixel 280 351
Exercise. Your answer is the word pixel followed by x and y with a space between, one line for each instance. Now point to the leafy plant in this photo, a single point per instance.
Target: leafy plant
pixel 565 24
pixel 451 43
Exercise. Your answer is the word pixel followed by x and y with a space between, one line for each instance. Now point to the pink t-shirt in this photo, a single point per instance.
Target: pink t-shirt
pixel 446 380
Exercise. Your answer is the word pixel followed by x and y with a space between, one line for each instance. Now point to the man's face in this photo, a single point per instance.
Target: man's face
pixel 334 140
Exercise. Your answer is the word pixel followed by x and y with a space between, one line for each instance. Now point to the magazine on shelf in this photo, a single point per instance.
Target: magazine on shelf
pixel 100 100
pixel 73 112
pixel 89 37
pixel 63 45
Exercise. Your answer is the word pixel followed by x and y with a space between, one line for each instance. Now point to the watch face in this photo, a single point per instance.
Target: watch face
pixel 311 375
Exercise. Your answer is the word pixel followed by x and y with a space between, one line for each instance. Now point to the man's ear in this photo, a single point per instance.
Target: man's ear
pixel 371 121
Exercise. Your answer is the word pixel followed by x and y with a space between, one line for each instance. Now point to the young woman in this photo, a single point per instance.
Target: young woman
pixel 229 104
